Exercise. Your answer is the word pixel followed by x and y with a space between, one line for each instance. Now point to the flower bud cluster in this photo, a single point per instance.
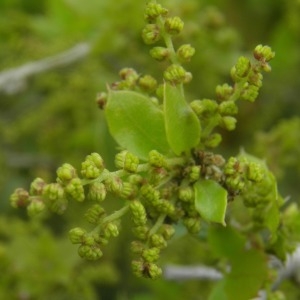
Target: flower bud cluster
pixel 127 161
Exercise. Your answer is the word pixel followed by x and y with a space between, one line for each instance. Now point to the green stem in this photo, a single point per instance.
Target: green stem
pixel 157 224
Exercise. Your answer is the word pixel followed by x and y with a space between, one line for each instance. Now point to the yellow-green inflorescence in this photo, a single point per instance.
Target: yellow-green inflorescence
pixel 158 193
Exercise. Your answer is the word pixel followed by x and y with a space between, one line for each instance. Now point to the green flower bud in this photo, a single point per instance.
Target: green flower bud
pixel 160 53
pixel 192 224
pixel 175 74
pixel 127 161
pixel 185 52
pixel 263 53
pixel 110 230
pixel 233 166
pixel 250 93
pixel 228 122
pixel 153 271
pixel 167 231
pixel 224 92
pixel 139 216
pixel 188 77
pixel 151 254
pixel 19 198
pixel 213 140
pixel 101 100
pixel 228 108
pixel 92 167
pixel 137 247
pixel 205 107
pixel 114 184
pixel 56 199
pixel 135 179
pixel 35 207
pixel 97 191
pixel 137 267
pixel 173 25
pixel 186 193
pixel 255 79
pixel 94 214
pixel 141 232
pixel 242 67
pixel 76 235
pixel 235 183
pixel 158 241
pixel 65 173
pixel 129 77
pixel 90 252
pixel 148 83
pixel 166 207
pixel 154 10
pixel 37 187
pixel 156 159
pixel 75 189
pixel 255 172
pixel 150 193
pixel 151 34
pixel 129 190
pixel 194 173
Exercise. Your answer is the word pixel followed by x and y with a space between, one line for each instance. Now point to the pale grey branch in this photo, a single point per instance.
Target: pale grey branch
pixel 14 80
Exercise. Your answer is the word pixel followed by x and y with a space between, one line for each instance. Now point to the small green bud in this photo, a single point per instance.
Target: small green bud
pixel 150 193
pixel 135 179
pixel 95 213
pixel 65 173
pixel 151 34
pixel 148 83
pixel 137 247
pixel 185 52
pixel 263 53
pixel 194 173
pixel 235 183
pixel 141 232
pixel 250 93
pixel 255 172
pixel 139 216
pixel 233 166
pixel 137 267
pixel 97 191
pixel 175 74
pixel 101 100
pixel 151 254
pixel 129 77
pixel 129 190
pixel 160 53
pixel 56 199
pixel 167 231
pixel 228 108
pixel 166 207
pixel 242 67
pixel 228 122
pixel 157 240
pixel 153 271
pixel 205 107
pixel 255 79
pixel 114 184
pixel 92 167
pixel 75 189
pixel 127 161
pixel 35 207
pixel 90 252
pixel 186 193
pixel 37 187
pixel 19 198
pixel 213 140
pixel 76 235
pixel 224 92
pixel 154 10
pixel 157 159
pixel 192 224
pixel 173 25
pixel 110 230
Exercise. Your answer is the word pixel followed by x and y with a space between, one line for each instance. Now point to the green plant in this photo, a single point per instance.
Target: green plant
pixel 168 171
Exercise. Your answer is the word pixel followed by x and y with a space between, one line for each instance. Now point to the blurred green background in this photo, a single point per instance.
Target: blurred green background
pixel 54 119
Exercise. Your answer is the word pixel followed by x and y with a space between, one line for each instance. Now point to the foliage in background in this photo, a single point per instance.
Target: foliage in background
pixel 55 120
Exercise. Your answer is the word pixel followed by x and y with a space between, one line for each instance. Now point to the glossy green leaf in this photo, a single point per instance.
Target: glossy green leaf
pixel 182 125
pixel 210 201
pixel 136 123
